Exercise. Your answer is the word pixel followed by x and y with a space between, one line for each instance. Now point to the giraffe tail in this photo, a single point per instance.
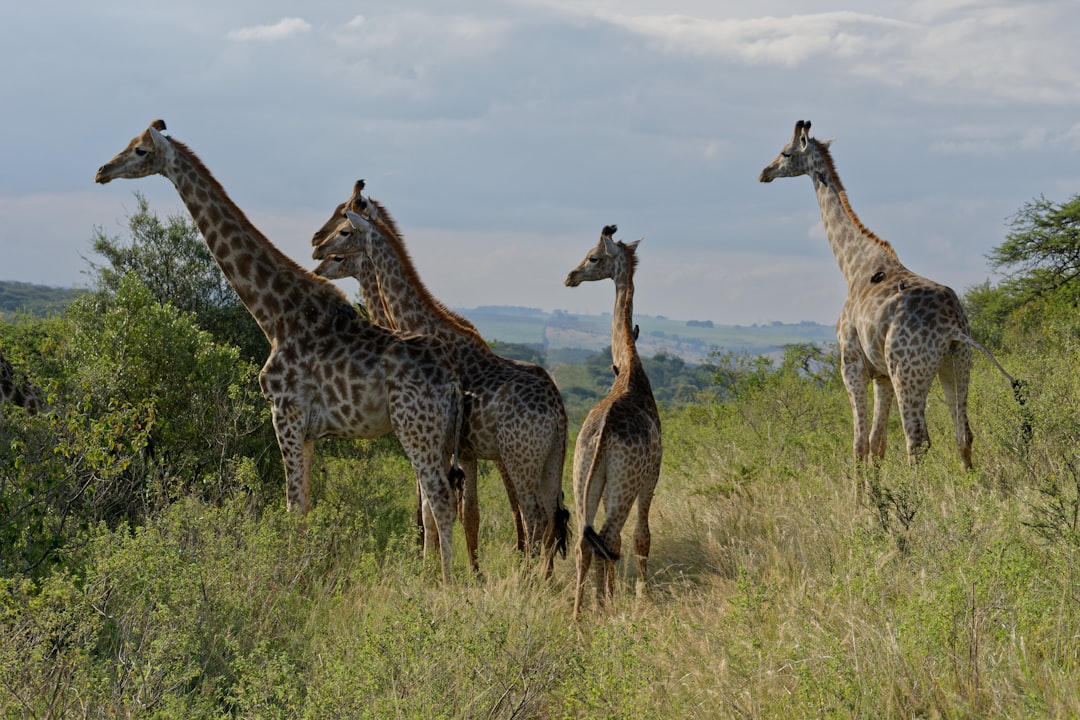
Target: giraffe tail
pixel 562 528
pixel 456 475
pixel 1019 387
pixel 588 533
pixel 963 337
pixel 597 544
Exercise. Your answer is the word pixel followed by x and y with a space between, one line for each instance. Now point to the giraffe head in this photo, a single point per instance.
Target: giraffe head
pixel 357 204
pixel 796 157
pixel 147 154
pixel 350 236
pixel 609 259
pixel 336 267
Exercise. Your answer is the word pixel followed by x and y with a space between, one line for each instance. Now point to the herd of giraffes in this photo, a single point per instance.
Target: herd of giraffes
pixel 413 367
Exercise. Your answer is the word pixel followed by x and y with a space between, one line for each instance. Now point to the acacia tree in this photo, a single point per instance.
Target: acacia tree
pixel 1041 261
pixel 1042 252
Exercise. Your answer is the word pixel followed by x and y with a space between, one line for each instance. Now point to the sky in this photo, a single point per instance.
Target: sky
pixel 503 135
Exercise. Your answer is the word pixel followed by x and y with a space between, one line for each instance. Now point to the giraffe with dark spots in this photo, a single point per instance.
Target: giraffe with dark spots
pixel 897 329
pixel 18 390
pixel 383 381
pixel 516 416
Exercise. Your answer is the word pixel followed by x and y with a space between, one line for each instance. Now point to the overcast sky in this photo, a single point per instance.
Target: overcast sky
pixel 503 136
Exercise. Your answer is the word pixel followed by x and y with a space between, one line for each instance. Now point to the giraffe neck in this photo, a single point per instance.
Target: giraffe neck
pixel 272 287
pixel 408 302
pixel 859 252
pixel 372 294
pixel 623 347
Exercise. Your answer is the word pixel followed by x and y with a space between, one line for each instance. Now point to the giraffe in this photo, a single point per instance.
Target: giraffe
pixel 618 451
pixel 896 329
pixel 24 394
pixel 515 413
pixel 330 372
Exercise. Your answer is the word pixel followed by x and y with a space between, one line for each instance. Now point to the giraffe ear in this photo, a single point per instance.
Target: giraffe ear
pixel 633 245
pixel 358 221
pixel 609 245
pixel 159 139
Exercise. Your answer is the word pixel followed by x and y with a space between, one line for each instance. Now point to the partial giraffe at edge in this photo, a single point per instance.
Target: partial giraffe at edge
pixel 24 394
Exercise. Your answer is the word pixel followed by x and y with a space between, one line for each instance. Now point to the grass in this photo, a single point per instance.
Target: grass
pixel 776 589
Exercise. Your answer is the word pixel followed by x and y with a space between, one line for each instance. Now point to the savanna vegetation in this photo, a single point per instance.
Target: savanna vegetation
pixel 148 568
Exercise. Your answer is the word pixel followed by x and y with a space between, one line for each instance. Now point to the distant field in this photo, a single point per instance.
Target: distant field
pixel 691 341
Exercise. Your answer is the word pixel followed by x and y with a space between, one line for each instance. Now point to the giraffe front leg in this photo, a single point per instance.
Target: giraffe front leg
pixel 469 512
pixel 429 530
pixel 296 452
pixel 883 399
pixel 853 371
pixel 440 507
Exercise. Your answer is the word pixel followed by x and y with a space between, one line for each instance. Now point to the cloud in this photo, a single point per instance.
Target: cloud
pixel 284 28
pixel 786 41
pixel 984 49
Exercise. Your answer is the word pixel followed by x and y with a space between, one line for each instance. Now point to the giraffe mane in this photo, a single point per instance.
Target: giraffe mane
pixel 834 180
pixel 249 226
pixel 631 259
pixel 388 226
pixel 630 251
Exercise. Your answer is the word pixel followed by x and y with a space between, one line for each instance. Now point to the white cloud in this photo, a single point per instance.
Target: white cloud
pixel 993 51
pixel 284 28
pixel 785 41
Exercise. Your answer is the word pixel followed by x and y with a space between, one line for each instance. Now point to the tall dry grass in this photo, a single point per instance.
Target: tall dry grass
pixel 777 589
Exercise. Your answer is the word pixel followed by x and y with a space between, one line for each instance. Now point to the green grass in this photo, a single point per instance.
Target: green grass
pixel 776 589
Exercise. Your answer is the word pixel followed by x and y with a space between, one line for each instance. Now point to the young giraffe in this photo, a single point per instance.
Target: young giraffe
pixel 618 451
pixel 25 394
pixel 330 372
pixel 515 416
pixel 897 328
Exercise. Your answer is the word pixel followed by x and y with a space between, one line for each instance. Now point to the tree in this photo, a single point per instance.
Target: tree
pixel 1041 260
pixel 171 260
pixel 1042 251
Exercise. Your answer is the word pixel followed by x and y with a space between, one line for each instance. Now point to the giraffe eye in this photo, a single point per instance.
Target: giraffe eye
pixel 786 154
pixel 594 259
pixel 141 151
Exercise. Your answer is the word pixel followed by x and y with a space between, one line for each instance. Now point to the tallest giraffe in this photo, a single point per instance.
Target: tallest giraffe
pixel 330 372
pixel 897 329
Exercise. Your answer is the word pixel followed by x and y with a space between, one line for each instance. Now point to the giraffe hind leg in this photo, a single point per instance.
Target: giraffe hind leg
pixel 955 377
pixel 584 560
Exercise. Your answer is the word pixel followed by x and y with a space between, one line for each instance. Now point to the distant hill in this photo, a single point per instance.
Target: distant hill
pixel 561 336
pixel 691 340
pixel 30 299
